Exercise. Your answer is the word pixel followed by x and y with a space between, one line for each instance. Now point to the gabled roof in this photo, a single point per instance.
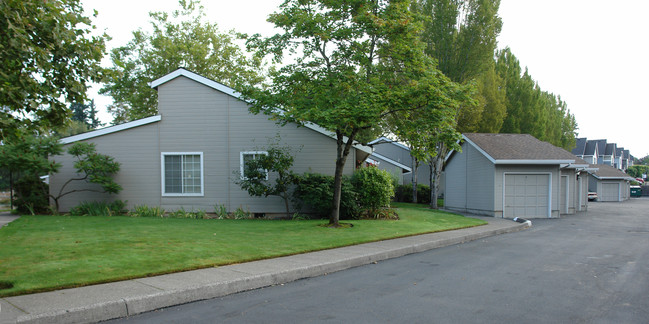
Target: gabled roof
pixel 591 148
pixel 229 91
pixel 619 152
pixel 610 149
pixel 110 129
pixel 581 146
pixel 520 149
pixel 605 172
pixel 384 140
pixel 601 146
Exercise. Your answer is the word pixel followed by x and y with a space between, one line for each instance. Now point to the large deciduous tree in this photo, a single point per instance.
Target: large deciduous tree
pixel 47 57
pixel 182 39
pixel 355 63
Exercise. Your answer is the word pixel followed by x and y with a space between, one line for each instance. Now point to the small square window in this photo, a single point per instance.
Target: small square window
pixel 247 156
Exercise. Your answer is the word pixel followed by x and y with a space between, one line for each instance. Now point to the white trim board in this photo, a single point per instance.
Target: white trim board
pixel 111 129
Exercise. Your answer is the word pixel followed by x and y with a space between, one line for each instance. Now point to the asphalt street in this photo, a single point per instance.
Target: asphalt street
pixel 589 268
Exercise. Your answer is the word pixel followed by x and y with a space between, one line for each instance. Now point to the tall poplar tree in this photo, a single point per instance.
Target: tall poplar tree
pixel 461 36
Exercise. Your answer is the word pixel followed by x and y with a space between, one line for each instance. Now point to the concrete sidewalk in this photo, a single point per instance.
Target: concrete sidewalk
pixel 119 299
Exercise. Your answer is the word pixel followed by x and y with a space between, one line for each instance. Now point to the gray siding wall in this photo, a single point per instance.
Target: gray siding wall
pixel 197 118
pixel 402 155
pixel 469 181
pixel 136 149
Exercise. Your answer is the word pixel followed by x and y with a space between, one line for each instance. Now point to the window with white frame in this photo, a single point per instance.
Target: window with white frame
pixel 248 156
pixel 182 173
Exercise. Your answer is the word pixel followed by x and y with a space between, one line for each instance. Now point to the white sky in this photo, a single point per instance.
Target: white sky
pixel 593 53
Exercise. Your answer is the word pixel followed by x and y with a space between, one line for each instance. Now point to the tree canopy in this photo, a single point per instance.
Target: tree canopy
pixel 47 57
pixel 356 62
pixel 182 39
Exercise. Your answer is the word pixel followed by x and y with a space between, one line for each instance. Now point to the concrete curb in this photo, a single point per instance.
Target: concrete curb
pixel 248 276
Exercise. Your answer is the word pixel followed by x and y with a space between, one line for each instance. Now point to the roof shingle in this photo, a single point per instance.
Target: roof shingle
pixel 520 147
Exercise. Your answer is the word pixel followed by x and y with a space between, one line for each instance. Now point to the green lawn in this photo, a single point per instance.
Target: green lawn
pixel 40 253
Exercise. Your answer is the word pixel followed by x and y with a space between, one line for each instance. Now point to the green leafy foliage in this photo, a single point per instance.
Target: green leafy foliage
pixel 181 39
pixel 531 110
pixel 355 63
pixel 636 171
pixel 46 54
pixel 315 192
pixel 146 211
pixel 86 114
pixel 94 168
pixel 32 196
pixel 277 162
pixel 373 188
pixel 99 208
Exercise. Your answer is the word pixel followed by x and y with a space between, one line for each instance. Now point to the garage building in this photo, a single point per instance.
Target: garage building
pixel 514 175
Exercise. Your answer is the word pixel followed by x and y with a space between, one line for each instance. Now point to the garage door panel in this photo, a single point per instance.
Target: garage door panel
pixel 610 192
pixel 526 195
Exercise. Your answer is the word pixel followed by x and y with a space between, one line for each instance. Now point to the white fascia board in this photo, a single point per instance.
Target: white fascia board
pixel 466 139
pixel 198 78
pixel 325 132
pixel 535 162
pixel 574 166
pixel 403 166
pixel 386 140
pixel 110 130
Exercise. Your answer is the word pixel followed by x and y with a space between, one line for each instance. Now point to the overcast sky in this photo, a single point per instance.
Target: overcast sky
pixel 593 53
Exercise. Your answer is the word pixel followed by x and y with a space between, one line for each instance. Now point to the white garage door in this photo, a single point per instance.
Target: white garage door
pixel 610 192
pixel 527 195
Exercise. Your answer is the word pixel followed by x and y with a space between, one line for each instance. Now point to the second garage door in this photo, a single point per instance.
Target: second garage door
pixel 527 195
pixel 610 192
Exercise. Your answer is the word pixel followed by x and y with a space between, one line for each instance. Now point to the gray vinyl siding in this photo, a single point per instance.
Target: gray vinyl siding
pixel 402 155
pixel 197 118
pixel 469 182
pixel 136 149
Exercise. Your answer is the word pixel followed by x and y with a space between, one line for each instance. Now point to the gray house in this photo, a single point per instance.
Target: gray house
pixel 189 155
pixel 514 175
pixel 610 183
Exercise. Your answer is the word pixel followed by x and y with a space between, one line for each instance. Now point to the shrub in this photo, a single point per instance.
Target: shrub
pixel 423 194
pixel 373 187
pixel 99 208
pixel 403 193
pixel 32 195
pixel 315 192
pixel 146 211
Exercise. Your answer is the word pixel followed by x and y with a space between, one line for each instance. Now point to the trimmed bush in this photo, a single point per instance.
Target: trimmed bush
pixel 31 195
pixel 403 193
pixel 315 192
pixel 373 187
pixel 99 208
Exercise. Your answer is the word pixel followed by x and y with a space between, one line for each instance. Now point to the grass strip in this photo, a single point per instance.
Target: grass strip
pixel 42 253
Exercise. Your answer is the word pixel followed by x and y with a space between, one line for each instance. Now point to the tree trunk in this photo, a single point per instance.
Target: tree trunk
pixel 11 190
pixel 342 150
pixel 415 165
pixel 436 171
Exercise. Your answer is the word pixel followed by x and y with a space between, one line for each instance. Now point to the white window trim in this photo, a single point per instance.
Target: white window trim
pixel 241 154
pixel 162 175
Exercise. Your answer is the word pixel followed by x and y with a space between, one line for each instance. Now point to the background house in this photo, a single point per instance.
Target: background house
pixel 603 153
pixel 189 155
pixel 514 175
